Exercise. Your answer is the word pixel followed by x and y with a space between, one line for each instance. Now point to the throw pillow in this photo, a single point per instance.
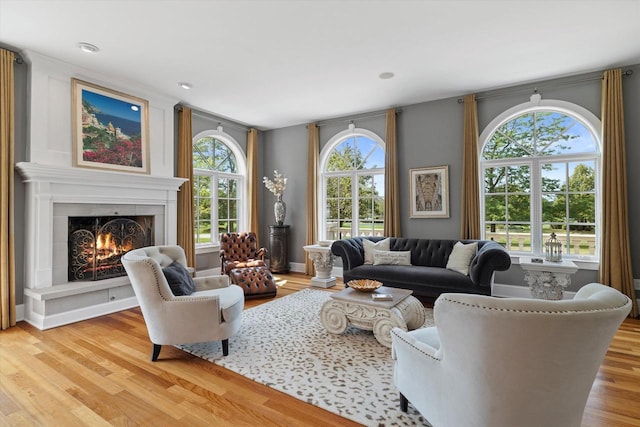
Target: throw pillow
pixel 392 257
pixel 461 257
pixel 369 247
pixel 179 279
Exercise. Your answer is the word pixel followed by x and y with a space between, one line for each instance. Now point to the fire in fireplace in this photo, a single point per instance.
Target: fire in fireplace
pixel 96 244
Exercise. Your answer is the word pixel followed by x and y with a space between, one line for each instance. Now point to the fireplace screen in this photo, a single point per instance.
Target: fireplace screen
pixel 96 244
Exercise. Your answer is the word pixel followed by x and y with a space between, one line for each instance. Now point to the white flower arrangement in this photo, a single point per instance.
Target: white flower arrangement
pixel 278 185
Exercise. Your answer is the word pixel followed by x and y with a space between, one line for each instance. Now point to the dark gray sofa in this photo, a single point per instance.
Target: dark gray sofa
pixel 427 275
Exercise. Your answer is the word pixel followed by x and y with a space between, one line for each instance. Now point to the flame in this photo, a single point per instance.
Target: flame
pixel 106 247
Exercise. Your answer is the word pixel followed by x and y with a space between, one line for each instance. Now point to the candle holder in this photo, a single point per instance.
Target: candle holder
pixel 553 249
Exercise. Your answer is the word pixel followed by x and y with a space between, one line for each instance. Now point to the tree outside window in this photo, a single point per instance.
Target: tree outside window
pixel 353 186
pixel 218 183
pixel 539 175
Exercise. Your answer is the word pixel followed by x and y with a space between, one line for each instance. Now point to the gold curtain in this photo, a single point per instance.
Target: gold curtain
pixel 185 195
pixel 252 180
pixel 312 193
pixel 7 247
pixel 615 265
pixel 470 221
pixel 391 193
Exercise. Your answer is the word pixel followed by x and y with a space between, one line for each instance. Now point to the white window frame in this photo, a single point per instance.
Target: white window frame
pixel 336 140
pixel 241 176
pixel 536 104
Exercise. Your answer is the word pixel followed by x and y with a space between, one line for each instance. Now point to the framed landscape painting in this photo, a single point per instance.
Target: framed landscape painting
pixel 429 190
pixel 110 129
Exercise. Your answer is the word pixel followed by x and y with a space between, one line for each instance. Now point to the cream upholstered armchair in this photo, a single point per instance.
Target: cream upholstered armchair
pixel 507 362
pixel 213 310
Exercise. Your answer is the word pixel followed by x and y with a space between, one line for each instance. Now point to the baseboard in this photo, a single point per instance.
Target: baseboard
pixel 514 291
pixel 298 267
pixel 85 313
pixel 19 313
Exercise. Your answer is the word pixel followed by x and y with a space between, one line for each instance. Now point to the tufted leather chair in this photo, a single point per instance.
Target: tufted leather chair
pixel 239 250
pixel 505 362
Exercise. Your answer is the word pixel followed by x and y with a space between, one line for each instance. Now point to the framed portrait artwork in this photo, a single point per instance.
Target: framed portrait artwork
pixel 429 192
pixel 110 129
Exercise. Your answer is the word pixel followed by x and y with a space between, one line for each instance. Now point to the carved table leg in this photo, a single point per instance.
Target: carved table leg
pixel 333 317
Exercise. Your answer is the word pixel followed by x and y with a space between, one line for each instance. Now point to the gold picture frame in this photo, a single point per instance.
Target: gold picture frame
pixel 429 192
pixel 110 129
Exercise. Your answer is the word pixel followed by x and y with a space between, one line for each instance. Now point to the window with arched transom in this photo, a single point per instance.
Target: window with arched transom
pixel 219 173
pixel 352 185
pixel 540 174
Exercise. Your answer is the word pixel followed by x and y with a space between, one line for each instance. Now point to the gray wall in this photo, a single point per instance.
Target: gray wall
pixel 430 134
pixel 21 76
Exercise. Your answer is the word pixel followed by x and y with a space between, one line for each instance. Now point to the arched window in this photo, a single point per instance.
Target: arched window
pixel 540 173
pixel 352 185
pixel 219 171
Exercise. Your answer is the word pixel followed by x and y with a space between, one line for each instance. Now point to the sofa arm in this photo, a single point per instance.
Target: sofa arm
pixel 491 257
pixel 350 250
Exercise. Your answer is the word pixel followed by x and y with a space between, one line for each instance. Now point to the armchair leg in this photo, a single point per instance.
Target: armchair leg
pixel 404 403
pixel 155 352
pixel 225 347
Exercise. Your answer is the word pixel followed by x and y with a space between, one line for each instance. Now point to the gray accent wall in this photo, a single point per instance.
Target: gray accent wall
pixel 430 134
pixel 21 89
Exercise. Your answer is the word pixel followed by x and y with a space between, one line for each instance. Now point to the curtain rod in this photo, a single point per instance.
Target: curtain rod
pixel 535 88
pixel 364 116
pixel 17 56
pixel 216 118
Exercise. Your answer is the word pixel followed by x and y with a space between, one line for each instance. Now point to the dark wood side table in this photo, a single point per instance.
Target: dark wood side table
pixel 279 248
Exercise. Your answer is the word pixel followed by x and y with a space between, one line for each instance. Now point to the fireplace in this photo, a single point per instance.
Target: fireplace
pixel 96 244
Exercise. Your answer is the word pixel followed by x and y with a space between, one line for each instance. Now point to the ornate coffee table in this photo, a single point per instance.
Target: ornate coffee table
pixel 360 310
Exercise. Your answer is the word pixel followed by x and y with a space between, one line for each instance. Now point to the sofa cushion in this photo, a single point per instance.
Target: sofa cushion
pixel 179 279
pixel 405 276
pixel 369 247
pixel 461 257
pixel 391 257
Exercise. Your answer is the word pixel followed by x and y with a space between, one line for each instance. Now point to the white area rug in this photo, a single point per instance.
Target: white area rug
pixel 283 345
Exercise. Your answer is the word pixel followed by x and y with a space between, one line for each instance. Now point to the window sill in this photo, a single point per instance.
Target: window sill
pixel 582 264
pixel 207 249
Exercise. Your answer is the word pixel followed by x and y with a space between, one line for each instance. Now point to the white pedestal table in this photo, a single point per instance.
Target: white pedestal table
pixel 547 280
pixel 323 262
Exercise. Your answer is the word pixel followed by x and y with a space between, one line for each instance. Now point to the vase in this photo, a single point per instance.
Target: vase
pixel 280 210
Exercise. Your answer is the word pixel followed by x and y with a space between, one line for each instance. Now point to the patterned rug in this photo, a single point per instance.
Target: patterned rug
pixel 350 374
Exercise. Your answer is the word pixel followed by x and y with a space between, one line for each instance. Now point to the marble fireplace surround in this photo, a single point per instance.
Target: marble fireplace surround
pixel 54 193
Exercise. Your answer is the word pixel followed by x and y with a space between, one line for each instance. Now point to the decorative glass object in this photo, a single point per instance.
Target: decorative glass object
pixel 553 249
pixel 277 187
pixel 279 210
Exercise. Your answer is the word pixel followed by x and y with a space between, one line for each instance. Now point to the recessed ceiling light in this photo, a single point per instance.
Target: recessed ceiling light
pixel 88 47
pixel 185 85
pixel 386 75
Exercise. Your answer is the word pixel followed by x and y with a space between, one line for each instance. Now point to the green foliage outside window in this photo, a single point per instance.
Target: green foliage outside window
pixel 566 187
pixel 354 156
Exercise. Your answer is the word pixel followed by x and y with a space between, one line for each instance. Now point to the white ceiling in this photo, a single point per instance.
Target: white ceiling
pixel 272 64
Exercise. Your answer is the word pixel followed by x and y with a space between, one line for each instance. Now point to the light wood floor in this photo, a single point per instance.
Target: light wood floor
pixel 97 372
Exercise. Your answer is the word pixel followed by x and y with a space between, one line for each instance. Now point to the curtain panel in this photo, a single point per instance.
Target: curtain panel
pixel 615 264
pixel 312 193
pixel 252 181
pixel 185 195
pixel 391 193
pixel 7 246
pixel 470 221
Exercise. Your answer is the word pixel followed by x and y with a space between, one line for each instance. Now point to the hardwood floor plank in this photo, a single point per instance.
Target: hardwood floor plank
pixel 98 373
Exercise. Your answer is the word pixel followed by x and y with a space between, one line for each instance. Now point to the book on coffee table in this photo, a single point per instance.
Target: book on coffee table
pixel 382 297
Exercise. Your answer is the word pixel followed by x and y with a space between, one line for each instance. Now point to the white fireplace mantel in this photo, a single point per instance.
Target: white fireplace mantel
pixel 48 186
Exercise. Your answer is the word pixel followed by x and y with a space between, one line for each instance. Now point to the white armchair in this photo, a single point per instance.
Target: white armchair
pixel 213 312
pixel 507 362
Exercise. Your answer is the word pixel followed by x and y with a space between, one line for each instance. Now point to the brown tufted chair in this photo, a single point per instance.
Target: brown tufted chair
pixel 239 250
